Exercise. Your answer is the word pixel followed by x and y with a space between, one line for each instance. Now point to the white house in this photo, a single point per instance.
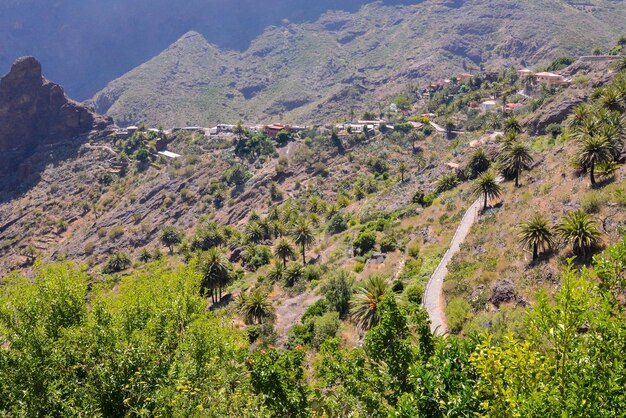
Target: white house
pixel 489 105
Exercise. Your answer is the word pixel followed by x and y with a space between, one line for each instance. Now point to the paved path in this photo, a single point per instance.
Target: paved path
pixel 440 128
pixel 433 295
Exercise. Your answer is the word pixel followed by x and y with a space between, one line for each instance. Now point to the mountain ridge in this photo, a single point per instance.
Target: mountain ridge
pixel 309 72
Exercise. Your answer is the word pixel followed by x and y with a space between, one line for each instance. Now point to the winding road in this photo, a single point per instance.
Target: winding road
pixel 433 295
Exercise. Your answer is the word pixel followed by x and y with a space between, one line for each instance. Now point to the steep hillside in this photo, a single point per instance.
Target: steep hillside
pixel 317 71
pixel 87 43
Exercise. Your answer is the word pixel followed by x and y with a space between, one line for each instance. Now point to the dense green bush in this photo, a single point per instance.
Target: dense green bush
pixel 364 242
pixel 337 224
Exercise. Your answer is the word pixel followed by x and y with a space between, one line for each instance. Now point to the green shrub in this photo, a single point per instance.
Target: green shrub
pixel 458 310
pixel 324 327
pixel 590 203
pixel 414 294
pixel 364 242
pixel 359 267
pixel 388 244
pixel 337 224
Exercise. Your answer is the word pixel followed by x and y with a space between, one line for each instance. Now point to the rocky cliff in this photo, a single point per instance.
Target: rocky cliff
pixel 35 112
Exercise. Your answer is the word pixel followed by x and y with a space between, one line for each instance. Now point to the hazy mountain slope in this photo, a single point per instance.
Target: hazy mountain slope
pixel 84 44
pixel 309 72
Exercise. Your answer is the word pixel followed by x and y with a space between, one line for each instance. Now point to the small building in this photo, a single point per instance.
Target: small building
pixel 524 72
pixel 169 154
pixel 372 123
pixel 273 129
pixel 121 133
pixel 221 129
pixel 416 125
pixel 463 77
pixel 131 130
pixel 515 107
pixel 552 79
pixel 489 105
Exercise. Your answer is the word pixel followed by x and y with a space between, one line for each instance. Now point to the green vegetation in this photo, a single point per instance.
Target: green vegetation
pixel 72 346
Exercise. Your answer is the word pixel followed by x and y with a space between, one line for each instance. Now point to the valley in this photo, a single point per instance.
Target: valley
pixel 405 209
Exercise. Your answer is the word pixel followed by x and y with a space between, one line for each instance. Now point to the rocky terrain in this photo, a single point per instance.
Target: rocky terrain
pixel 35 113
pixel 314 72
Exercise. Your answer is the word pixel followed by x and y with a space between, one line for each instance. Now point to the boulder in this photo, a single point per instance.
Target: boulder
pixel 503 292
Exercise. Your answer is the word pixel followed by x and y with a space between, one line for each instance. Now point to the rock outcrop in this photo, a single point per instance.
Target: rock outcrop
pixel 35 112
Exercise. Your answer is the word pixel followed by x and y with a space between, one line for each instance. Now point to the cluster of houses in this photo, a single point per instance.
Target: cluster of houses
pixel 440 84
pixel 362 126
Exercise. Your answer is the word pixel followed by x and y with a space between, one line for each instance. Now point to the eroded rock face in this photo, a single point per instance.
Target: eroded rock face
pixel 35 111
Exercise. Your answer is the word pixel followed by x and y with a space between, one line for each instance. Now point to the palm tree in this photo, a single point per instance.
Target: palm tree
pixel 303 236
pixel 284 251
pixel 170 237
pixel 293 274
pixel 254 232
pixel 511 124
pixel 579 229
pixel 415 136
pixel 364 304
pixel 402 169
pixel 255 307
pixel 277 273
pixel 479 163
pixel 486 185
pixel 514 158
pixel 536 234
pixel 594 150
pixel 239 130
pixel 578 116
pixel 216 273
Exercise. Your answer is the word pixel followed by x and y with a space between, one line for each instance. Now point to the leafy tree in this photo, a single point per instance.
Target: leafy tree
pixel 515 157
pixel 486 185
pixel 536 235
pixel 364 304
pixel 278 376
pixel 283 137
pixel 337 291
pixel 216 273
pixel 170 237
pixel 303 236
pixel 388 341
pixel 580 230
pixel 593 151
